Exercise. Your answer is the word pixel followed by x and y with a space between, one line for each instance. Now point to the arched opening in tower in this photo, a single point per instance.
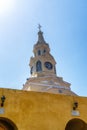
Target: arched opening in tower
pixel 38 66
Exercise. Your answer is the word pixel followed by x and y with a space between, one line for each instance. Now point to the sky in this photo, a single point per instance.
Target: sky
pixel 64 24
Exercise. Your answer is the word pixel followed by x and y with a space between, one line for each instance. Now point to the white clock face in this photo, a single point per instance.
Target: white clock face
pixel 48 65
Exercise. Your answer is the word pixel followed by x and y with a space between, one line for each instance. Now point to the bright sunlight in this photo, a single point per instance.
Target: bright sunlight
pixel 6 6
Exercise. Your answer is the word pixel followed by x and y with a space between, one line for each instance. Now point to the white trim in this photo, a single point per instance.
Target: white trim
pixel 49 86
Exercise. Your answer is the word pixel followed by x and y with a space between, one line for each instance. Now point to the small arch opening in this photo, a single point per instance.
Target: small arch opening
pixel 39 52
pixel 44 51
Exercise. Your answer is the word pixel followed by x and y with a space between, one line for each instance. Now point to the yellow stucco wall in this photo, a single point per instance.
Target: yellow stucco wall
pixel 41 111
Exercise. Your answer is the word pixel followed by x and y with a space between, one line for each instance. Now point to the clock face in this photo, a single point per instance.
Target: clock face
pixel 48 65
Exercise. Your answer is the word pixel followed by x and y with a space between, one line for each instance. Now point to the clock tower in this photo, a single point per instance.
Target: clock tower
pixel 43 71
pixel 43 63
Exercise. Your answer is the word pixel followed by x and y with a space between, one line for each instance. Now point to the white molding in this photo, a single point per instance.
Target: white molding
pixel 49 86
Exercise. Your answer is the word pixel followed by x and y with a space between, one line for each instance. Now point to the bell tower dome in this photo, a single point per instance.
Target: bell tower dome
pixel 43 71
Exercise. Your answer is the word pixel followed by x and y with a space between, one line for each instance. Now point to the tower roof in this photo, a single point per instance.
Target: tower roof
pixel 40 36
pixel 41 42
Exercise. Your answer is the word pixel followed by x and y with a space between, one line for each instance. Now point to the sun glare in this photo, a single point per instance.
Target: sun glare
pixel 6 6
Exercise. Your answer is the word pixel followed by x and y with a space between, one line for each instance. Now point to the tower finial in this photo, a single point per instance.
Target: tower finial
pixel 40 35
pixel 39 26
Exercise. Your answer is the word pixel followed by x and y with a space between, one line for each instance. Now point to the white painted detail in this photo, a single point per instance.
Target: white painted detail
pixel 49 86
pixel 57 83
pixel 44 81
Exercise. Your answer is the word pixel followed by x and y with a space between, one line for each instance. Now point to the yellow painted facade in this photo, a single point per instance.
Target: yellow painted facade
pixel 41 111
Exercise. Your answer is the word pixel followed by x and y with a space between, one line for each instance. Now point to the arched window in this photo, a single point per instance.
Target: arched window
pixel 39 52
pixel 44 51
pixel 38 66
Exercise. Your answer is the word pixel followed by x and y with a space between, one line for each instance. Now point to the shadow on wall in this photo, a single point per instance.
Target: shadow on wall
pixel 76 124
